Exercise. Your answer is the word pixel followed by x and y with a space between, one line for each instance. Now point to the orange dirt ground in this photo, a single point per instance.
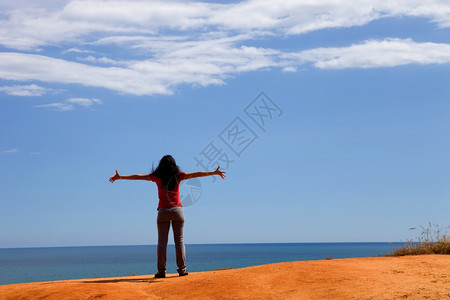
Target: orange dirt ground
pixel 409 277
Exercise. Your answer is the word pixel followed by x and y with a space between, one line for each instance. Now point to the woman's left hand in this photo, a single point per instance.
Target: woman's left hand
pixel 115 177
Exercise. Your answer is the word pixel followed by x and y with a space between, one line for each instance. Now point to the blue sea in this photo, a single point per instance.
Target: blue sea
pixel 20 265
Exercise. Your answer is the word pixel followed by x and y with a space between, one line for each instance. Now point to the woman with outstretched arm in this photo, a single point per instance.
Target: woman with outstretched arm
pixel 167 177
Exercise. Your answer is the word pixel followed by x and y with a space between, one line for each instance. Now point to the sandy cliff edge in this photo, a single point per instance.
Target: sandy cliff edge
pixel 408 277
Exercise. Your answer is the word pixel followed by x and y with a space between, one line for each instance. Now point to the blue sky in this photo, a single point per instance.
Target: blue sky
pixel 354 146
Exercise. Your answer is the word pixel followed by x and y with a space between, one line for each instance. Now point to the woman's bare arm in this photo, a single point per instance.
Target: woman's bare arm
pixel 129 177
pixel 204 174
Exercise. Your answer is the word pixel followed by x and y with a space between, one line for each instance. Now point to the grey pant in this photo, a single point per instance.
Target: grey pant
pixel 165 216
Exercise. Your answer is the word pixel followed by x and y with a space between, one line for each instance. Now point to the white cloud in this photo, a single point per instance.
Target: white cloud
pixel 71 104
pixel 372 54
pixel 76 50
pixel 24 90
pixel 17 4
pixel 18 66
pixel 211 62
pixel 200 63
pixel 11 151
pixel 103 60
pixel 30 27
pixel 208 43
pixel 57 106
pixel 289 69
pixel 86 102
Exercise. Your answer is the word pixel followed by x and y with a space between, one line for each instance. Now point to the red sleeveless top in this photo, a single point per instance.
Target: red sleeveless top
pixel 168 198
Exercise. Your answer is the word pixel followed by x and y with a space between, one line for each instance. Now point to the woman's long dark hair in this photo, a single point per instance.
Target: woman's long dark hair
pixel 167 171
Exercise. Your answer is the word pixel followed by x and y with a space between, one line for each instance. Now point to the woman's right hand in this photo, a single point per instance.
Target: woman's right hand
pixel 115 177
pixel 221 173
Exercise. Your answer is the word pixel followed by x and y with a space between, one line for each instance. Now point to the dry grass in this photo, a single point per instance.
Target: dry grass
pixel 432 240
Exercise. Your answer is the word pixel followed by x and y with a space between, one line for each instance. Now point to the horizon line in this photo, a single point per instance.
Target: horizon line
pixel 204 244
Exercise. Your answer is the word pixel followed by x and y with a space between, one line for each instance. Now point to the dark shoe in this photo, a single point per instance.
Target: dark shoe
pixel 160 275
pixel 183 273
